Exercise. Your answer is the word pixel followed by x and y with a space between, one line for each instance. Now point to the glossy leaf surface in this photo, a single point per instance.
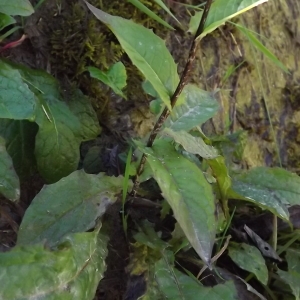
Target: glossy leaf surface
pixel 192 144
pixel 272 188
pixel 199 106
pixel 190 196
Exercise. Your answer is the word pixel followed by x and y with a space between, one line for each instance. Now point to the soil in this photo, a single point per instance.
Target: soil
pixel 244 105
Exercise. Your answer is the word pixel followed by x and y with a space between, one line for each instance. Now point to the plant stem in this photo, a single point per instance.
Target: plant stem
pixel 274 233
pixel 183 81
pixel 125 190
pixel 288 244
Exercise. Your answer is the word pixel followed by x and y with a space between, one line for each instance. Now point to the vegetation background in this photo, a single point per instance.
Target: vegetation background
pixel 63 38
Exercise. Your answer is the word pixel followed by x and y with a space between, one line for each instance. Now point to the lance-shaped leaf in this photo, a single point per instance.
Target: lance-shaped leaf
pixel 69 205
pixel 9 180
pixel 138 4
pixel 199 106
pixel 189 194
pixel 147 52
pixel 260 47
pixel 265 248
pixel 163 6
pixel 192 144
pixel 115 77
pixel 72 271
pixel 271 188
pixel 220 12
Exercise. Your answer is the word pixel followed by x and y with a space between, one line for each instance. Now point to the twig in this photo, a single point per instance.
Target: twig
pixel 216 256
pixel 183 81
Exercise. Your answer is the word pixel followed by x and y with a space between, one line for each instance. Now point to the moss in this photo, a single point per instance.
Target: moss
pixel 80 40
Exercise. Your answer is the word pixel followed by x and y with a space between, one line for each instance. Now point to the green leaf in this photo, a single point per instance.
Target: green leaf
pixel 92 163
pixel 149 237
pixel 259 46
pixel 192 144
pixel 220 172
pixel 16 7
pixel 59 137
pixel 292 277
pixel 250 259
pixel 70 205
pixel 56 145
pixel 155 106
pixel 220 12
pixel 71 272
pixel 199 107
pixel 20 137
pixel 16 100
pixel 230 70
pixel 9 180
pixel 39 81
pixel 56 151
pixel 293 259
pixel 231 146
pixel 62 127
pixel 181 183
pixel 6 20
pixel 80 105
pixel 163 6
pixel 146 50
pixel 148 89
pixel 115 77
pixel 176 285
pixel 271 188
pixel 149 13
pixel 141 281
